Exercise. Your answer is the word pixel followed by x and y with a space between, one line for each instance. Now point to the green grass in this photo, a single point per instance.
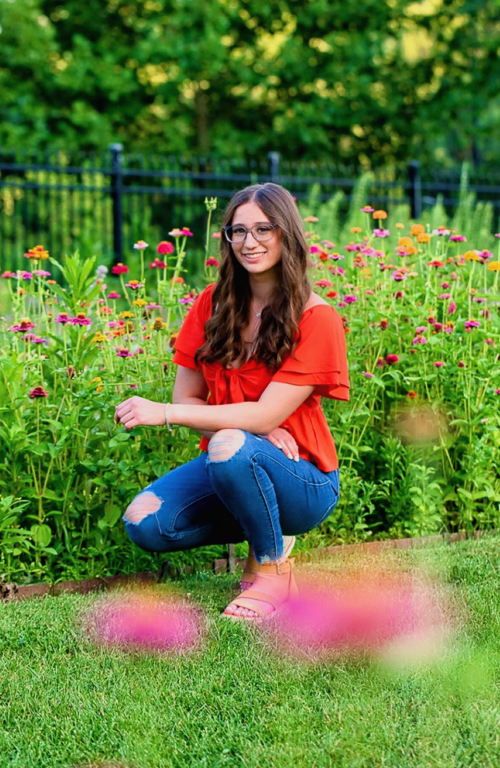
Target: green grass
pixel 64 702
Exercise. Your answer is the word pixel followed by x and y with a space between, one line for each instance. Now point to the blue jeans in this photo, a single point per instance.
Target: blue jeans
pixel 257 494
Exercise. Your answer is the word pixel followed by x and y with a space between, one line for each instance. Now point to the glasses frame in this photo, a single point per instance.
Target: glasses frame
pixel 259 224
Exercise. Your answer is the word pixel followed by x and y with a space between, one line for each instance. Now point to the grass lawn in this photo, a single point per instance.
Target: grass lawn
pixel 64 702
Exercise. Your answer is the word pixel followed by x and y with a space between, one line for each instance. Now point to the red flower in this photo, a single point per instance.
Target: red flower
pixel 212 263
pixel 165 247
pixel 38 392
pixel 391 359
pixel 119 269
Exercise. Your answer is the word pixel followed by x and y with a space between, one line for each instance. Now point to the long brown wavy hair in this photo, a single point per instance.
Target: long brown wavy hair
pixel 232 295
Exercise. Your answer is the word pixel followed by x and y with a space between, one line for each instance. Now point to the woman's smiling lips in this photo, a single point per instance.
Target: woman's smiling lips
pixel 253 256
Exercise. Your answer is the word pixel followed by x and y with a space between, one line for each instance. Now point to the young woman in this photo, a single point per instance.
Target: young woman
pixel 264 348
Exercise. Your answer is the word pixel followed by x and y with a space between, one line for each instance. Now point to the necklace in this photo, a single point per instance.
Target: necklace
pixel 257 314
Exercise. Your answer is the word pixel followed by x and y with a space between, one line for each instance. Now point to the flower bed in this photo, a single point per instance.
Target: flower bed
pixel 418 442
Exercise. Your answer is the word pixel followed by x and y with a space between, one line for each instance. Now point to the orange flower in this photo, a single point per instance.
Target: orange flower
pixel 471 256
pixel 38 252
pixel 494 266
pixel 398 225
pixel 411 394
pixel 405 242
pixel 417 229
pixel 355 230
pixel 311 219
pixel 424 238
pixel 177 279
pixel 379 214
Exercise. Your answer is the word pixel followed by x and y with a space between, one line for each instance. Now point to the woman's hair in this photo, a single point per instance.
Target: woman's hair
pixel 232 294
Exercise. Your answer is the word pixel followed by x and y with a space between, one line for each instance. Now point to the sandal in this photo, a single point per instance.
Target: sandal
pixel 273 584
pixel 252 564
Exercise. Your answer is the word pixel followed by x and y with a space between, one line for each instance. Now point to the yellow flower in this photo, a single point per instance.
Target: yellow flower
pixel 366 272
pixel 398 225
pixel 98 338
pixel 405 242
pixel 97 381
pixel 158 324
pixel 139 302
pixel 126 314
pixel 471 256
pixel 494 266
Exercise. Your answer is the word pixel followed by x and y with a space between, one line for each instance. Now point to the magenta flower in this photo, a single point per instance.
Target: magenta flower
pixel 438 364
pixel 461 364
pixel 63 318
pixel 153 306
pixel 26 275
pixel 350 298
pixel 419 340
pixel 437 327
pixel 472 324
pixel 337 271
pixel 367 374
pixel 497 391
pixel 398 276
pixel 478 300
pixel 445 285
pixel 452 308
pixel 119 269
pixel 367 209
pixel 41 273
pixel 489 341
pixel 458 239
pixel 445 296
pixel 165 248
pixel 123 352
pixel 157 264
pixel 391 359
pixel 114 295
pixel 341 304
pixel 8 274
pixel 80 320
pixel 399 295
pixel 212 263
pixel 381 232
pixel 38 392
pixel 187 300
pixel 420 328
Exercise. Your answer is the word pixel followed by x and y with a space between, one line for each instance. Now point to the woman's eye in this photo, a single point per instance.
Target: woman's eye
pixel 263 230
pixel 238 231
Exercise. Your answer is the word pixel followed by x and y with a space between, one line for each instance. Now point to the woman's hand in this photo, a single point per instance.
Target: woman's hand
pixel 137 411
pixel 283 439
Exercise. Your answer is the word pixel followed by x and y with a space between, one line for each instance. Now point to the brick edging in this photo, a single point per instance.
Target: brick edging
pixel 9 592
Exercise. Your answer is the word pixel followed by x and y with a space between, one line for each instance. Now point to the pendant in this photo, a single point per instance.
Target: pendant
pixel 257 314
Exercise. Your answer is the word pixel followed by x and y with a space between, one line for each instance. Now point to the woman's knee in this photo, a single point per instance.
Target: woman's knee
pixel 141 523
pixel 224 444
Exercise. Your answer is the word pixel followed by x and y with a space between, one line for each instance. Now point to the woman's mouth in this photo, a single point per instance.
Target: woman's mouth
pixel 253 256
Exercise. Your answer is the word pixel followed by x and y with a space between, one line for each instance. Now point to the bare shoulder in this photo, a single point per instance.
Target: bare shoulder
pixel 314 300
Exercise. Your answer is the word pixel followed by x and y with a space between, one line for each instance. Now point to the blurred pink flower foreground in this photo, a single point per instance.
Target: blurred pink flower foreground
pixel 145 622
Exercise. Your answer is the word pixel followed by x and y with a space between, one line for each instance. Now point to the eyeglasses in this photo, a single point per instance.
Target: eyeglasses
pixel 238 233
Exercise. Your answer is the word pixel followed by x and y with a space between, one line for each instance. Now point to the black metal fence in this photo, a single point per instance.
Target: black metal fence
pixel 105 202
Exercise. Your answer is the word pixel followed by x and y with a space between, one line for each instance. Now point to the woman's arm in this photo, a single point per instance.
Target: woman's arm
pixel 276 404
pixel 190 388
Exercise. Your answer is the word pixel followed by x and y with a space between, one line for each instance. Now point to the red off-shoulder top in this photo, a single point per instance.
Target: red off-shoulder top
pixel 321 360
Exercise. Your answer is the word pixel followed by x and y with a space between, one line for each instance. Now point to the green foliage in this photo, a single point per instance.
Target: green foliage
pixel 372 83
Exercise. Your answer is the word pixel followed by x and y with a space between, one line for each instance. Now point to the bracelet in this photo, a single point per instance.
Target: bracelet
pixel 166 417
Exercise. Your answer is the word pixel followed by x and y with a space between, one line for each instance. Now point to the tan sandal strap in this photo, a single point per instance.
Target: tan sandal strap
pixel 275 568
pixel 250 603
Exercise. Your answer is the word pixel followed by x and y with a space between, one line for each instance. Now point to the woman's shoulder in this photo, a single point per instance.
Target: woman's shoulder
pixel 314 301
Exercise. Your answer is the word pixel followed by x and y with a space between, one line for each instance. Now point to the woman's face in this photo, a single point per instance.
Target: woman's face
pixel 257 257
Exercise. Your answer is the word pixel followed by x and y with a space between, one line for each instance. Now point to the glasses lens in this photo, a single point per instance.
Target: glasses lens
pixel 235 234
pixel 263 232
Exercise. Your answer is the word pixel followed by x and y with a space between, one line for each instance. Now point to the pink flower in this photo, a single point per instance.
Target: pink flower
pixel 380 363
pixel 367 209
pixel 323 283
pixel 165 248
pixel 472 324
pixel 153 306
pixel 458 239
pixel 445 296
pixel 381 232
pixel 158 264
pixel 119 269
pixel 419 340
pixel 391 359
pixel 461 364
pixel 26 275
pixel 489 341
pixel 478 300
pixel 452 308
pixel 212 263
pixel 350 299
pixel 341 304
pixel 369 292
pixel 420 328
pixel 438 364
pixel 63 318
pixel 8 274
pixel 134 285
pixel 337 271
pixel 141 245
pixel 497 391
pixel 114 295
pixel 445 285
pixel 123 352
pixel 399 295
pixel 38 392
pixel 80 319
pixel 41 273
pixel 397 275
pixel 367 374
pixel 441 231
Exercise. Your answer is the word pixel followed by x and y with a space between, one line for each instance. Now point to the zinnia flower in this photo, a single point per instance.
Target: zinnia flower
pixel 123 352
pixel 164 248
pixel 381 232
pixel 412 394
pixel 419 340
pixel 472 324
pixel 38 252
pixel 438 364
pixel 350 298
pixel 114 295
pixel 458 239
pixel 367 374
pixel 212 263
pixel 323 283
pixel 158 264
pixel 391 359
pixel 38 392
pixel 140 245
pixel 63 318
pixel 367 209
pixel 119 269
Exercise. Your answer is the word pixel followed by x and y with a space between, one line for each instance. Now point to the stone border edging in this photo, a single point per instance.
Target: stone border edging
pixel 9 592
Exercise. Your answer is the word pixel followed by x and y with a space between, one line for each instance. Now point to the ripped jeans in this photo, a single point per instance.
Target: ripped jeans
pixel 245 489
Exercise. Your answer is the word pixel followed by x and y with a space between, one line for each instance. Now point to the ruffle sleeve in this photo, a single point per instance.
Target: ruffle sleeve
pixel 192 333
pixel 320 355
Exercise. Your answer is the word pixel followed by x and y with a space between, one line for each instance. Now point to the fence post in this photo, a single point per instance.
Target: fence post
pixel 415 189
pixel 116 151
pixel 274 166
